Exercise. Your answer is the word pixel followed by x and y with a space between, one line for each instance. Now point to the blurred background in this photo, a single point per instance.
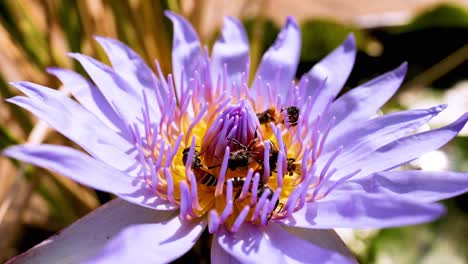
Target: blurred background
pixel 432 35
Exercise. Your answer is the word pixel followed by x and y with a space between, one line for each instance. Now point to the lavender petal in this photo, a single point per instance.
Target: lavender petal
pixel 90 172
pixel 218 255
pixel 131 67
pixel 120 95
pixel 160 237
pixel 370 135
pixel 274 244
pixel 150 237
pixel 186 51
pixel 359 104
pixel 89 97
pixel 361 210
pixel 232 50
pixel 74 122
pixel 335 68
pixel 280 60
pixel 400 151
pixel 421 186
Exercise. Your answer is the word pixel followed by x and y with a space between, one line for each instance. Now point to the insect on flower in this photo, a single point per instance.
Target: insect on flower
pixel 287 115
pixel 291 115
pixel 245 155
pixel 292 166
pixel 168 148
pixel 267 116
pixel 196 162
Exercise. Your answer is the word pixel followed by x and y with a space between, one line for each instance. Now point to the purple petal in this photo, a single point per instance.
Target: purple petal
pixel 89 97
pixel 152 241
pixel 360 210
pixel 335 69
pixel 361 103
pixel 74 122
pixel 131 67
pixel 120 95
pixel 232 50
pixel 218 255
pixel 324 238
pixel 272 243
pixel 118 232
pixel 400 151
pixel 186 51
pixel 279 64
pixel 422 186
pixel 90 172
pixel 368 136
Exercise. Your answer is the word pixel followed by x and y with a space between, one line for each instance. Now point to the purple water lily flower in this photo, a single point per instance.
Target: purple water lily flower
pixel 269 169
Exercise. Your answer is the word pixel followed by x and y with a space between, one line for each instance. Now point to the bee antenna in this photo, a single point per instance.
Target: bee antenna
pixel 212 167
pixel 235 141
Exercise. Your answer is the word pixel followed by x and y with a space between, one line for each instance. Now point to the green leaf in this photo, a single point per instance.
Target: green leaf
pixel 16 19
pixel 441 16
pixel 70 21
pixel 6 138
pixel 320 37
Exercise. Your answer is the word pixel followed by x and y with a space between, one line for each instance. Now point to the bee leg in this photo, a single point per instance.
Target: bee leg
pixel 235 141
pixel 238 193
pixel 213 166
pixel 281 208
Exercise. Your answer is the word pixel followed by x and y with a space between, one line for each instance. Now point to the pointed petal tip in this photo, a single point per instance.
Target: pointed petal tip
pixel 463 119
pixel 13 151
pixel 441 212
pixel 74 55
pixel 171 15
pixel 106 43
pixel 15 83
pixel 52 69
pixel 102 40
pixel 12 100
pixel 350 42
pixel 21 85
pixel 57 71
pixel 291 21
pixel 98 37
pixel 457 125
pixel 401 70
pixel 231 20
pixel 439 108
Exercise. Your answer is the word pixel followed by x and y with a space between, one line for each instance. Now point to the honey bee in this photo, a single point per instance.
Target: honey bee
pixel 242 157
pixel 209 180
pixel 262 188
pixel 292 166
pixel 238 182
pixel 267 116
pixel 196 162
pixel 199 170
pixel 272 115
pixel 292 113
pixel 273 157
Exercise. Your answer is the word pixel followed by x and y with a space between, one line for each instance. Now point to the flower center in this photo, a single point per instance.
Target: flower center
pixel 242 163
pixel 234 160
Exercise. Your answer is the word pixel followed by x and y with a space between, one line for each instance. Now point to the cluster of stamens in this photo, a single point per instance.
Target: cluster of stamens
pixel 217 153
